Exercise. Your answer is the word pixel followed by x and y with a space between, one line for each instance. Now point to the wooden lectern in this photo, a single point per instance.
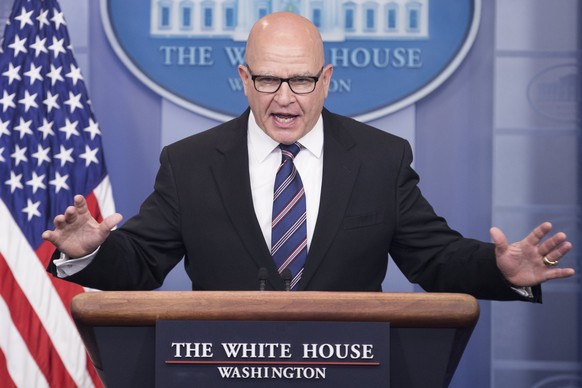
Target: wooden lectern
pixel 428 332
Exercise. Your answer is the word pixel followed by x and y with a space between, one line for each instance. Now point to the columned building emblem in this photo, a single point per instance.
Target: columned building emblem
pixel 386 53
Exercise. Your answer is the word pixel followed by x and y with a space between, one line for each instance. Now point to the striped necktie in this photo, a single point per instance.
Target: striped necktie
pixel 289 229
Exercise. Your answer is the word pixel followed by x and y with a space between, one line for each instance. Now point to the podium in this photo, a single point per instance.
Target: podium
pixel 428 331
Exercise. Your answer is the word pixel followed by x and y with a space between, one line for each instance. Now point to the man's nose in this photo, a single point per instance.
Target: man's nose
pixel 284 95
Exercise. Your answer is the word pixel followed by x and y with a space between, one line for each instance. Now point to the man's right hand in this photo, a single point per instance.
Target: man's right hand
pixel 77 233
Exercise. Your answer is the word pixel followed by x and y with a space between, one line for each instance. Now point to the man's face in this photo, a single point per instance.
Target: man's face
pixel 284 115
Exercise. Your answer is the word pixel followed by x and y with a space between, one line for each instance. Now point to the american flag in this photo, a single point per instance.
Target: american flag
pixel 50 150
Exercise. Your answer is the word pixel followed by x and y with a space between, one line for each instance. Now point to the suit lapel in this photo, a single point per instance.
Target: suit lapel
pixel 232 177
pixel 340 169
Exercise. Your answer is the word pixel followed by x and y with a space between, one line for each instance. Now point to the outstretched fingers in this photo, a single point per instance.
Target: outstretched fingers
pixel 532 260
pixel 538 234
pixel 554 248
pixel 77 233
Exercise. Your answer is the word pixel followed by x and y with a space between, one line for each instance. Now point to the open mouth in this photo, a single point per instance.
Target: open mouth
pixel 284 118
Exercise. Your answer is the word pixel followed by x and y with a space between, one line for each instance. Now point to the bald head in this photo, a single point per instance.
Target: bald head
pixel 287 49
pixel 292 33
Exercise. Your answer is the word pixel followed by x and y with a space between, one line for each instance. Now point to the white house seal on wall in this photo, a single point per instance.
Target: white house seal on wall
pixel 392 52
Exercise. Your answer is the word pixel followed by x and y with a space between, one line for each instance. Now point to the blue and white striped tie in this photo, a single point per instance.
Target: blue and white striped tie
pixel 289 228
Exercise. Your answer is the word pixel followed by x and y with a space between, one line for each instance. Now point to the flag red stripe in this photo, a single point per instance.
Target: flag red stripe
pixel 93 206
pixel 93 373
pixel 30 327
pixel 66 290
pixel 4 375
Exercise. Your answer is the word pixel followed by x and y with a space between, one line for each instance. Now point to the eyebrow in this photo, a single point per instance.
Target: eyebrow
pixel 267 74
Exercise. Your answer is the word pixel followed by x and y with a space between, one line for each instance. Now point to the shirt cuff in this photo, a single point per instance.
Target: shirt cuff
pixel 67 267
pixel 526 292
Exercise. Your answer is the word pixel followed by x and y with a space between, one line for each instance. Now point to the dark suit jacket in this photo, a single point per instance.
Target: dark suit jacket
pixel 202 209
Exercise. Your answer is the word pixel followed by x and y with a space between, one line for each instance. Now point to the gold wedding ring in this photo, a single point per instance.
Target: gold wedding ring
pixel 549 262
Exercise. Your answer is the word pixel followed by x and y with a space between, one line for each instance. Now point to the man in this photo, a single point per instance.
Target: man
pixel 213 201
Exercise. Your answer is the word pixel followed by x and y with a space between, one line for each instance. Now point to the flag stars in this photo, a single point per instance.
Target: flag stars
pixel 42 18
pixel 57 47
pixel 28 100
pixel 4 128
pixel 7 101
pixel 18 46
pixel 37 182
pixel 13 73
pixel 90 156
pixel 19 155
pixel 60 182
pixel 58 19
pixel 70 129
pixel 31 209
pixel 74 74
pixel 93 129
pixel 41 155
pixel 39 46
pixel 46 128
pixel 14 182
pixel 36 168
pixel 34 73
pixel 74 102
pixel 51 101
pixel 65 156
pixel 55 74
pixel 24 18
pixel 24 127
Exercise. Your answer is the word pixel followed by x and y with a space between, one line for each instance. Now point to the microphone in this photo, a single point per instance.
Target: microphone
pixel 287 277
pixel 263 276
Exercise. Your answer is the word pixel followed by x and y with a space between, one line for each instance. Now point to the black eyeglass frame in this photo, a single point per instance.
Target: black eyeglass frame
pixel 281 80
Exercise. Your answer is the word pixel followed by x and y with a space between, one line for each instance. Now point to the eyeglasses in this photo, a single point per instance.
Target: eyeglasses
pixel 298 85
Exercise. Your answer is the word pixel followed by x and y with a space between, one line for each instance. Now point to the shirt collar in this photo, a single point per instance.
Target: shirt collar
pixel 261 145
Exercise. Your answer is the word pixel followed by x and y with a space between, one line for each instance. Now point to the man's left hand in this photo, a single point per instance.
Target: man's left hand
pixel 534 259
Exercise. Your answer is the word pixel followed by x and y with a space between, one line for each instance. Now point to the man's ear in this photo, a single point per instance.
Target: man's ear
pixel 326 77
pixel 243 73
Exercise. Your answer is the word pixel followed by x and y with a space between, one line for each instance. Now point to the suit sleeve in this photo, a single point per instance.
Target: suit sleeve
pixel 438 258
